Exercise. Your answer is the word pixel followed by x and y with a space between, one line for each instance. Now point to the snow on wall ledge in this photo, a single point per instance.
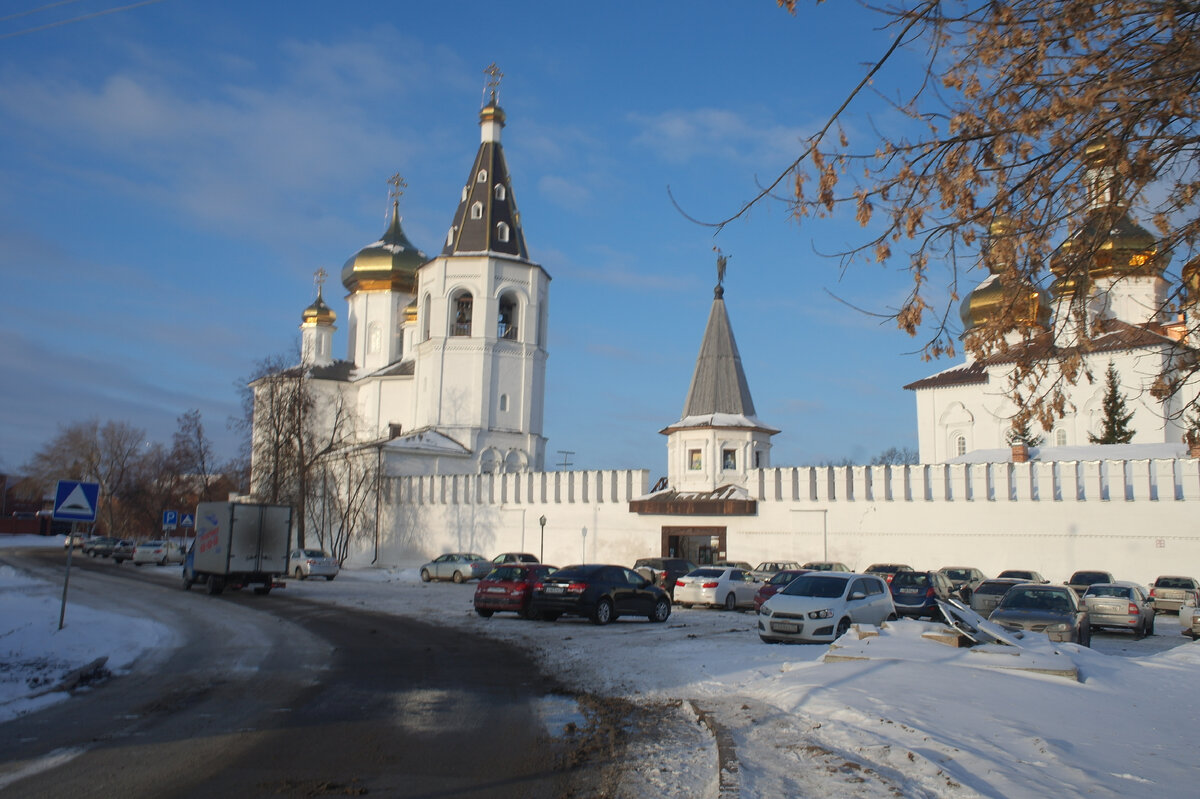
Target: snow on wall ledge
pixel 1135 518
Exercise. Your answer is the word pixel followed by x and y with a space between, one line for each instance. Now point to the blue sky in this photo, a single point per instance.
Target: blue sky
pixel 172 175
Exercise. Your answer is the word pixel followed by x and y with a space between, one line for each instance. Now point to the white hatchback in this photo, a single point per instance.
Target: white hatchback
pixel 718 586
pixel 157 552
pixel 821 606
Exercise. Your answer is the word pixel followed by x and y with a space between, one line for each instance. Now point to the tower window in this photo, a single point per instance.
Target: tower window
pixel 374 338
pixel 504 402
pixel 960 445
pixel 462 315
pixel 500 192
pixel 481 177
pixel 728 459
pixel 1060 437
pixel 501 231
pixel 694 461
pixel 477 210
pixel 507 318
pixel 450 235
pixel 425 319
pixel 464 197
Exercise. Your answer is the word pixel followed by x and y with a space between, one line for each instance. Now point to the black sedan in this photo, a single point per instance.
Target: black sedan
pixel 598 592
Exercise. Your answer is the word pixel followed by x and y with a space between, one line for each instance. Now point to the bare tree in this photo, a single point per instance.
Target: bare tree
pixel 345 497
pixel 1011 94
pixel 192 453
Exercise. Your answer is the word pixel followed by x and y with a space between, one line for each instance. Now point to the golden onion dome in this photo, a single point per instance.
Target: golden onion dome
pixel 318 313
pixel 1191 281
pixel 991 301
pixel 389 264
pixel 1118 248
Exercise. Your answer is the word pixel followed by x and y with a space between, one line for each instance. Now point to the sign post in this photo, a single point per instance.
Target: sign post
pixel 73 502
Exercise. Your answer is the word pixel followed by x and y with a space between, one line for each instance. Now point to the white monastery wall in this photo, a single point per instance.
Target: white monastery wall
pixel 1137 519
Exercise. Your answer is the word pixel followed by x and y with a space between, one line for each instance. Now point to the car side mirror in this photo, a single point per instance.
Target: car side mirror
pixel 857 595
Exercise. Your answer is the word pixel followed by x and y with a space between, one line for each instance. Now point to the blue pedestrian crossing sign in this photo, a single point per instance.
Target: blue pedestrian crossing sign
pixel 187 520
pixel 170 519
pixel 75 501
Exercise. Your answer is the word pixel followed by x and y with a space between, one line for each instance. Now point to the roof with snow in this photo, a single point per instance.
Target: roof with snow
pixel 1086 452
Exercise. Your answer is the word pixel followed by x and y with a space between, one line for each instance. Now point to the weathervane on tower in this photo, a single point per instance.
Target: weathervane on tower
pixel 722 259
pixel 493 82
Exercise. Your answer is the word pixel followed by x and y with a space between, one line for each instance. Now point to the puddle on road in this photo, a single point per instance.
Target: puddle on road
pixel 561 716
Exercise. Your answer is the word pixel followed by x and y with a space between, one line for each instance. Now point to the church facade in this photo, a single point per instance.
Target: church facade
pixel 444 380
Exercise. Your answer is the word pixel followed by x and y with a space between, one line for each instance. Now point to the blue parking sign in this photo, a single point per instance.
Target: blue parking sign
pixel 170 519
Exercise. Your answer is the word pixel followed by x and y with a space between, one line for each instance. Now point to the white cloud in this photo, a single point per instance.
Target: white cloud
pixel 683 135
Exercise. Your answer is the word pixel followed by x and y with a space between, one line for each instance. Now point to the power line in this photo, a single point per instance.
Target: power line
pixel 36 10
pixel 80 18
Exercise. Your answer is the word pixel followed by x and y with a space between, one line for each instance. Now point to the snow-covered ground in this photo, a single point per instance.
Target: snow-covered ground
pixel 913 718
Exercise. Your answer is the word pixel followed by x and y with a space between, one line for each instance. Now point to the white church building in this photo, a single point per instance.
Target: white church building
pixel 445 373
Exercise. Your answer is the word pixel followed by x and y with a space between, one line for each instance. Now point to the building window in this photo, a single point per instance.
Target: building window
pixel 1060 437
pixel 481 177
pixel 694 462
pixel 504 402
pixel 425 319
pixel 960 445
pixel 464 197
pixel 500 192
pixel 501 231
pixel 374 338
pixel 477 210
pixel 507 320
pixel 462 315
pixel 758 459
pixel 728 459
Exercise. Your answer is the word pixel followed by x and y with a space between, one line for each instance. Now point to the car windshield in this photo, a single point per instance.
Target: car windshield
pixel 707 573
pixel 910 580
pixel 782 578
pixel 1173 582
pixel 314 553
pixel 810 585
pixel 1017 574
pixel 990 587
pixel 1036 599
pixel 1087 578
pixel 957 574
pixel 1108 590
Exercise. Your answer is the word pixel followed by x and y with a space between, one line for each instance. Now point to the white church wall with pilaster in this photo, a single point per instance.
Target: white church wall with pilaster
pixel 1134 518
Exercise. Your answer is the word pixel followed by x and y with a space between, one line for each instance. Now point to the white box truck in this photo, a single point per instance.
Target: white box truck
pixel 239 544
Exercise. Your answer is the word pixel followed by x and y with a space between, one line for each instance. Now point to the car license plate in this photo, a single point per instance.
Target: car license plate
pixel 908 590
pixel 554 589
pixel 784 627
pixel 496 590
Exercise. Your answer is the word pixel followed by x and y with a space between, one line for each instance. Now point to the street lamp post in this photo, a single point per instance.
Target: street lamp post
pixel 542 552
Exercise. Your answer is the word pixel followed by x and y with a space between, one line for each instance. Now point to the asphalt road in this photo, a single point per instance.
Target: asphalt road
pixel 274 696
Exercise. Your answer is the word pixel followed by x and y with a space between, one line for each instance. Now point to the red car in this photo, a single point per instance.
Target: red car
pixel 508 587
pixel 778 582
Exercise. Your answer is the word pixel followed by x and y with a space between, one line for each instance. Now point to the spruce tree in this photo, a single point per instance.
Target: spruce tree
pixel 1115 428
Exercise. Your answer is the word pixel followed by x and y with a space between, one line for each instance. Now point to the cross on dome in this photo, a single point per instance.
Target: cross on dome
pixel 493 82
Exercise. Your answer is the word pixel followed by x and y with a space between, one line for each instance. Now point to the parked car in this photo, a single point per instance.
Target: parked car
pixel 1172 593
pixel 456 566
pixel 821 607
pixel 987 595
pixel 599 592
pixel 717 586
pixel 514 557
pixel 157 552
pixel 100 546
pixel 764 570
pixel 1023 574
pixel 827 566
pixel 76 540
pixel 1189 620
pixel 778 581
pixel 663 572
pixel 1051 609
pixel 509 587
pixel 887 570
pixel 305 563
pixel 916 593
pixel 1080 580
pixel 964 579
pixel 1120 606
pixel 123 550
pixel 732 564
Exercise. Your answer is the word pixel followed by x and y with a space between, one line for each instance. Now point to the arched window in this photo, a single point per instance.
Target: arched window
pixel 425 319
pixel 500 192
pixel 507 318
pixel 501 231
pixel 477 210
pixel 464 197
pixel 481 177
pixel 504 402
pixel 1060 437
pixel 450 235
pixel 960 445
pixel 461 305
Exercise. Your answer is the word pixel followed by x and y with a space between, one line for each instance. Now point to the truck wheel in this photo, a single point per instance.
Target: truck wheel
pixel 215 584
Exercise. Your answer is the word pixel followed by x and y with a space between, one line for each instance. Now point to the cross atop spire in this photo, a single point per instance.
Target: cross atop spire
pixel 319 279
pixel 397 187
pixel 493 82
